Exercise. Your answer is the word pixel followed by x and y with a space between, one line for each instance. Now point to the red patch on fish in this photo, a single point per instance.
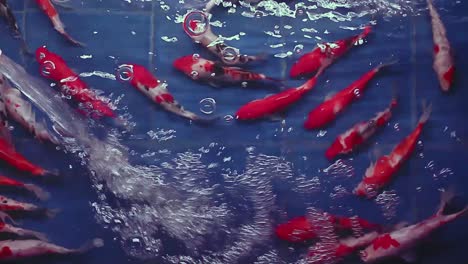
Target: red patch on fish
pixel 436 49
pixel 5 252
pixel 343 250
pixel 385 242
pixel 167 98
pixel 448 76
pixel 193 24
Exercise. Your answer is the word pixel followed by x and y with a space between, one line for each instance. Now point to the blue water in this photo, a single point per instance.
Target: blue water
pixel 263 172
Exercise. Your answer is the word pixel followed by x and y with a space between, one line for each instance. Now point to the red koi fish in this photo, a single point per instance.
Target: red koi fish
pixel 326 54
pixel 15 107
pixel 275 103
pixel 19 232
pixel 325 253
pixel 53 67
pixel 48 8
pixel 36 190
pixel 15 250
pixel 9 205
pixel 327 111
pixel 400 242
pixel 143 80
pixel 215 73
pixel 444 64
pixel 300 229
pixel 359 133
pixel 379 174
pixel 15 159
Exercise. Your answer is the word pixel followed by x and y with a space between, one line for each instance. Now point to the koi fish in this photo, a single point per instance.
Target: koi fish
pixel 300 229
pixel 36 190
pixel 275 103
pixel 326 54
pixel 200 32
pixel 48 8
pixel 21 249
pixel 399 243
pixel 359 133
pixel 215 73
pixel 9 205
pixel 7 14
pixel 15 159
pixel 14 106
pixel 379 174
pixel 327 111
pixel 143 80
pixel 20 232
pixel 53 67
pixel 325 253
pixel 444 64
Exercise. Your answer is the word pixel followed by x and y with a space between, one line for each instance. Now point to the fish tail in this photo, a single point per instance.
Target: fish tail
pixel 38 191
pixel 4 217
pixel 72 40
pixel 95 243
pixel 426 113
pixel 385 65
pixel 35 234
pixel 445 197
pixel 367 30
pixel 50 213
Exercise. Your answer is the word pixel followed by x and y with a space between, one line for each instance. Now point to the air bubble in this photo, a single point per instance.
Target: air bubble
pixel 194 75
pixel 208 106
pixel 125 73
pixel 258 14
pixel 46 68
pixel 196 56
pixel 230 55
pixel 300 11
pixel 244 84
pixel 196 23
pixel 228 119
pixel 298 49
pixel 357 93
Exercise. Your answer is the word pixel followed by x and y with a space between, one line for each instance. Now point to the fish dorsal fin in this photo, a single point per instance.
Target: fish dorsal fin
pixel 409 256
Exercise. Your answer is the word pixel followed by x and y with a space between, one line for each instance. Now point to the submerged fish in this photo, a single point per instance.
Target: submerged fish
pixel 143 80
pixel 216 74
pixel 359 133
pixel 200 31
pixel 444 64
pixel 9 205
pixel 9 17
pixel 327 111
pixel 326 54
pixel 48 8
pixel 20 232
pixel 53 67
pixel 14 106
pixel 401 242
pixel 11 250
pixel 36 190
pixel 300 229
pixel 380 173
pixel 273 104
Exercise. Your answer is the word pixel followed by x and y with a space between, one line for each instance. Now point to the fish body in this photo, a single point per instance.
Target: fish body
pixel 326 54
pixel 275 103
pixel 11 250
pixel 444 64
pixel 381 173
pixel 36 190
pixel 49 9
pixel 359 133
pixel 21 111
pixel 19 232
pixel 300 229
pixel 328 111
pixel 7 14
pixel 55 68
pixel 10 205
pixel 215 73
pixel 144 81
pixel 400 242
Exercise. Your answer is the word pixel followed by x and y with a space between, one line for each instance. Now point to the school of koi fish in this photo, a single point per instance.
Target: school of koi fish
pixel 373 244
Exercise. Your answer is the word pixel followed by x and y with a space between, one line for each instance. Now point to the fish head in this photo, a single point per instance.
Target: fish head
pixel 334 150
pixel 42 54
pixel 193 66
pixel 308 63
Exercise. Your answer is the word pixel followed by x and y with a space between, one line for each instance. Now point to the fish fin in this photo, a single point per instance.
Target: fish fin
pixel 50 213
pixel 445 197
pixel 426 112
pixel 62 5
pixel 4 217
pixel 409 256
pixel 278 117
pixel 39 192
pixel 95 243
pixel 38 235
pixel 329 96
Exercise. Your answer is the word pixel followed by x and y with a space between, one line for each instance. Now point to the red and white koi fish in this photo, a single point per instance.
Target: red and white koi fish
pixel 379 174
pixel 48 8
pixel 444 64
pixel 200 32
pixel 326 54
pixel 215 73
pixel 14 106
pixel 53 67
pixel 7 14
pixel 326 253
pixel 327 111
pixel 36 190
pixel 400 242
pixel 300 229
pixel 143 80
pixel 359 133
pixel 20 232
pixel 15 159
pixel 275 103
pixel 21 249
pixel 9 205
